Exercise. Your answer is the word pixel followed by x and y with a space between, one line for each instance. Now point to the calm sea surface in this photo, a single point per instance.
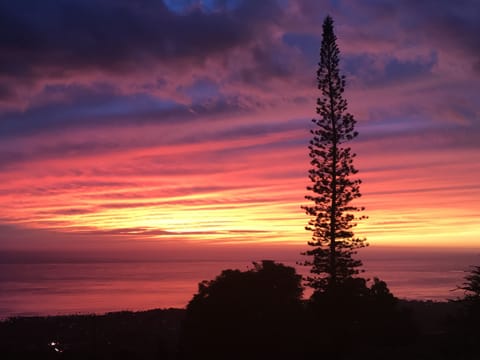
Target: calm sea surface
pixel 97 287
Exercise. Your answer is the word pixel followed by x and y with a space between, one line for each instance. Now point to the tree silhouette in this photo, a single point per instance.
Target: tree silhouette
pixel 463 331
pixel 333 189
pixel 471 286
pixel 254 314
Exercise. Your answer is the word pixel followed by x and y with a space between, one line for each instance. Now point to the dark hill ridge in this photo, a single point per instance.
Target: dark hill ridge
pixel 155 334
pixel 149 334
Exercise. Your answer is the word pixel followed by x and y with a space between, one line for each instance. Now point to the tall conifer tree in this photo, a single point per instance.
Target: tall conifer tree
pixel 333 216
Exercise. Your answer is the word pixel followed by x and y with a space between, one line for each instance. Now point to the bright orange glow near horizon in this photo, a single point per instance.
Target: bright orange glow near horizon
pixel 207 144
pixel 245 198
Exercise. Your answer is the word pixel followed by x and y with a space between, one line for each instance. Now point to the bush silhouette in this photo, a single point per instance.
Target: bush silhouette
pixel 357 319
pixel 464 330
pixel 245 314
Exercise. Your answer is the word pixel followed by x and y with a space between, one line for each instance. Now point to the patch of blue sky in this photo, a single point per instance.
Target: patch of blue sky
pixel 202 90
pixel 125 105
pixel 81 112
pixel 395 125
pixel 308 44
pixel 366 69
pixel 207 6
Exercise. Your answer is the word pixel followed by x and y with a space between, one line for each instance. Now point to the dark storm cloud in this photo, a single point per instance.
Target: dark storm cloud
pixel 6 92
pixel 367 70
pixel 84 107
pixel 268 64
pixel 396 70
pixel 308 44
pixel 427 138
pixel 456 24
pixel 113 35
pixel 441 24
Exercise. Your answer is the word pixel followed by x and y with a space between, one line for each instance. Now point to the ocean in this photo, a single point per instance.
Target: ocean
pixel 30 288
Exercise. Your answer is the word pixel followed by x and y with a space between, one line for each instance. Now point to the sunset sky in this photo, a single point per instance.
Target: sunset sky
pixel 185 124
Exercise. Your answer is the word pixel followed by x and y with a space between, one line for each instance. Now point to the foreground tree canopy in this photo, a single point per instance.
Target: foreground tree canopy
pixel 259 314
pixel 245 314
pixel 333 216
